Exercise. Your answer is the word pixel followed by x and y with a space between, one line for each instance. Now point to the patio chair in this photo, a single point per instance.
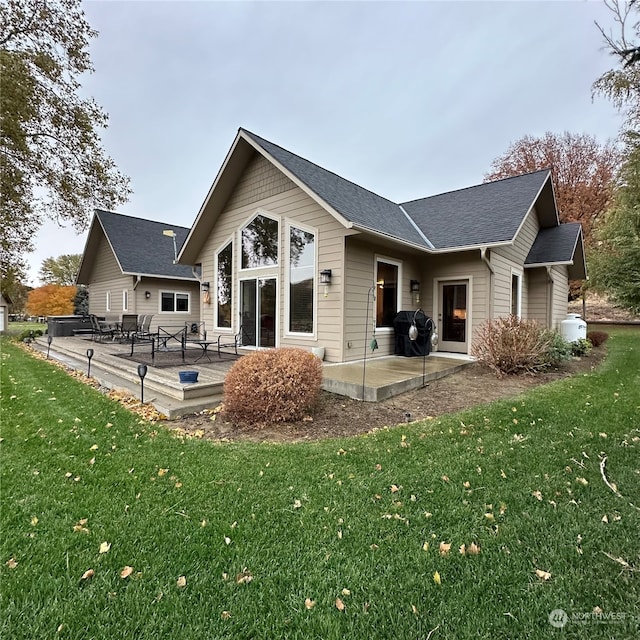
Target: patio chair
pixel 100 328
pixel 143 332
pixel 128 325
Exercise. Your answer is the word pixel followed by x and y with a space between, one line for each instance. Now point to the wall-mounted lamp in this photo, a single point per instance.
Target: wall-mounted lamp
pixel 204 286
pixel 147 294
pixel 325 279
pixel 415 286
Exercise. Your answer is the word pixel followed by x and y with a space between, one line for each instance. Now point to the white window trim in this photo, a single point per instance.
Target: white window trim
pixel 396 263
pixel 174 294
pixel 108 301
pixel 516 272
pixel 234 264
pixel 287 301
pixel 248 221
pixel 125 300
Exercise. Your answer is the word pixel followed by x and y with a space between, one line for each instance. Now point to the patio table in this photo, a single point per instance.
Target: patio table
pixel 204 346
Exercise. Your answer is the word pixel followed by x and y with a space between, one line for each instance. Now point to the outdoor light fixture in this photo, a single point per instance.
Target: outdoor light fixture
pixel 204 286
pixel 49 340
pixel 414 286
pixel 147 294
pixel 89 356
pixel 142 372
pixel 325 276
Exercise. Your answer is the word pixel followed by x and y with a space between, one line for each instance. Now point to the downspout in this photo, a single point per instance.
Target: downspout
pixel 137 282
pixel 487 261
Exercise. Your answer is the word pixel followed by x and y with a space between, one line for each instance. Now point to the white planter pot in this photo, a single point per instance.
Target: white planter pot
pixel 318 352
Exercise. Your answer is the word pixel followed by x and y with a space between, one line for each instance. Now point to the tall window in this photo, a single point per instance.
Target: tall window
pixel 108 301
pixel 516 295
pixel 125 300
pixel 223 286
pixel 386 293
pixel 302 262
pixel 172 302
pixel 260 243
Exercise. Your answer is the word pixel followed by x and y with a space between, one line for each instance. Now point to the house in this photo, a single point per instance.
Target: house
pixel 129 266
pixel 5 301
pixel 298 256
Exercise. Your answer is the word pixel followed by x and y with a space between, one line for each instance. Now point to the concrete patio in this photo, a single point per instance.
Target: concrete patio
pixel 372 380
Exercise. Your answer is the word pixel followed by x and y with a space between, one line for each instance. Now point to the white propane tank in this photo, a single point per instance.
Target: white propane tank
pixel 573 328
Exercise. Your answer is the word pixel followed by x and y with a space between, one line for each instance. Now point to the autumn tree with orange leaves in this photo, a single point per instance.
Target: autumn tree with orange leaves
pixel 51 300
pixel 582 170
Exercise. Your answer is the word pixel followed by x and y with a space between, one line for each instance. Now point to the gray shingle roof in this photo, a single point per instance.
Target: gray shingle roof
pixel 356 204
pixel 485 214
pixel 140 246
pixel 554 245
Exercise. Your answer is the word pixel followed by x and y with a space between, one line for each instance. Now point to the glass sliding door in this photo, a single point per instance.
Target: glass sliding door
pixel 258 309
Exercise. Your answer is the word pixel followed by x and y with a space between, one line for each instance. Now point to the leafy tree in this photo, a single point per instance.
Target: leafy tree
pixel 53 164
pixel 583 172
pixel 13 279
pixel 615 266
pixel 81 301
pixel 61 270
pixel 51 300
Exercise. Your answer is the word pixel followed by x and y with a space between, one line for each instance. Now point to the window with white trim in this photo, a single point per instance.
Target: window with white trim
pixel 108 301
pixel 224 272
pixel 387 291
pixel 125 300
pixel 174 302
pixel 302 261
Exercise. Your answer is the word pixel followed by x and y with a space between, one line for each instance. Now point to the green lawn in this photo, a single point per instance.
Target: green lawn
pixel 257 530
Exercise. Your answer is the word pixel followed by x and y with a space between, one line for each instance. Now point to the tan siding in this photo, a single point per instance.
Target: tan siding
pixel 538 286
pixel 512 257
pixel 260 180
pixel 560 277
pixel 152 305
pixel 107 276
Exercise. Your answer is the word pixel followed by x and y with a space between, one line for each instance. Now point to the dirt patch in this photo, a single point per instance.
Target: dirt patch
pixel 337 416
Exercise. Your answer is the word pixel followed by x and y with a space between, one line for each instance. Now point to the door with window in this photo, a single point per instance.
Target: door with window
pixel 258 312
pixel 453 316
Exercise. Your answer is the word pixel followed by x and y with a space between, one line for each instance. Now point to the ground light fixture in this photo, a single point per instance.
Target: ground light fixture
pixel 49 340
pixel 142 372
pixel 89 356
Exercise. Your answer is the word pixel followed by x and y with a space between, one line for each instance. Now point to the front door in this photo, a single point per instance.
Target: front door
pixel 452 316
pixel 258 309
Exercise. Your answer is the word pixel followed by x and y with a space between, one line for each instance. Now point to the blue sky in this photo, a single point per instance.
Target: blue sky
pixel 407 99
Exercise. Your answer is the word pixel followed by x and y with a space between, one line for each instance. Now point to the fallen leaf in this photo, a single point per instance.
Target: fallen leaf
pixel 181 582
pixel 394 488
pixel 445 478
pixel 339 604
pixel 89 573
pixel 543 575
pixel 225 615
pixel 11 563
pixel 425 546
pixel 162 472
pixel 309 604
pixel 93 448
pixel 582 481
pixel 104 547
pixel 227 540
pixel 92 461
pixel 473 549
pixel 463 549
pixel 414 609
pixel 444 548
pixel 245 577
pixel 605 519
pixel 597 610
pixel 537 494
pixel 346 592
pixel 466 484
pixel 34 521
pixel 126 572
pixel 436 578
pixel 297 504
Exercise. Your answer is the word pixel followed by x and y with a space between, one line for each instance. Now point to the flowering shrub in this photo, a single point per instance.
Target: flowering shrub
pixel 596 338
pixel 511 345
pixel 581 347
pixel 275 385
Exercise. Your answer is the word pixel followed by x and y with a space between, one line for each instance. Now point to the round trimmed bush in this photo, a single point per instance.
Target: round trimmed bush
pixel 275 385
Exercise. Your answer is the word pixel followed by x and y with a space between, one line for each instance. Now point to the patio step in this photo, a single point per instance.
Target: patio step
pixel 162 388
